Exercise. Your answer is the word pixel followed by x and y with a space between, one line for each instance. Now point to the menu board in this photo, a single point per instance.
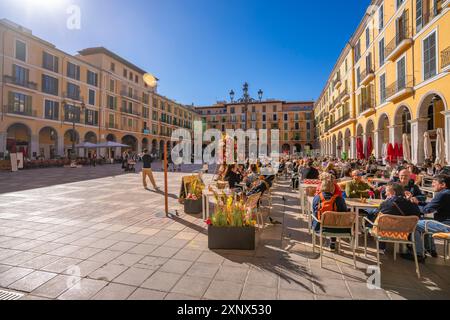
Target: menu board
pixel 14 167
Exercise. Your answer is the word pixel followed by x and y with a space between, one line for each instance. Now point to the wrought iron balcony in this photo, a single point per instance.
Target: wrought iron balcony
pixel 400 43
pixel 29 112
pixel 20 82
pixel 445 59
pixel 126 94
pixel 367 105
pixel 367 75
pixel 400 89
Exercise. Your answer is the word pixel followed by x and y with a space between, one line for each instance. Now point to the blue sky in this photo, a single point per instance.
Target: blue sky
pixel 200 49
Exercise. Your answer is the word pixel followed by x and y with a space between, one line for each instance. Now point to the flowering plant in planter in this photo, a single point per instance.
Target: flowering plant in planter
pixel 195 190
pixel 231 213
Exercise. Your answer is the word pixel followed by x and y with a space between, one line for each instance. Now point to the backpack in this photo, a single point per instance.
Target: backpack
pixel 326 205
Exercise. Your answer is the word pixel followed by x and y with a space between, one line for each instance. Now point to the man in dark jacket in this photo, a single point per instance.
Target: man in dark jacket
pixel 309 172
pixel 440 207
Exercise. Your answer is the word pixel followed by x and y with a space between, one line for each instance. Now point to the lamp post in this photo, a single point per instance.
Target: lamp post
pixel 71 116
pixel 246 100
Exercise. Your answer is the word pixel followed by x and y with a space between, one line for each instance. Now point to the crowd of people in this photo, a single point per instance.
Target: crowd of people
pixel 401 194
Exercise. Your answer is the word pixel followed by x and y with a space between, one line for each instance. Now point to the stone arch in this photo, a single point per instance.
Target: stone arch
pixel 18 139
pixel 111 138
pixel 90 137
pixel 48 143
pixel 131 141
pixel 71 137
pixel 402 123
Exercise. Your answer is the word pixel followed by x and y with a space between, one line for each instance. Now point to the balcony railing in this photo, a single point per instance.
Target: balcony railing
pixel 399 88
pixel 131 96
pixel 367 104
pixel 445 58
pixel 19 82
pixel 367 75
pixel 23 112
pixel 132 112
pixel 73 96
pixel 401 41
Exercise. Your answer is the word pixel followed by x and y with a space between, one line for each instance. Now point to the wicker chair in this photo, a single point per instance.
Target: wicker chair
pixel 392 229
pixel 338 222
pixel 446 238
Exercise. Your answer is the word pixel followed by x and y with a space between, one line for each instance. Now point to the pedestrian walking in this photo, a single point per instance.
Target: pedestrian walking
pixel 147 160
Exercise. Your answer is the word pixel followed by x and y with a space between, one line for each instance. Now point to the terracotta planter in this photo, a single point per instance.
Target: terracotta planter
pixel 231 238
pixel 193 206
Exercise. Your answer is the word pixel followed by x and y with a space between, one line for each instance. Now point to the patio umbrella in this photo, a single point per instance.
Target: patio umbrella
pixel 360 148
pixel 369 147
pixel 86 145
pixel 440 148
pixel 390 153
pixel 428 148
pixel 406 149
pixel 396 153
pixel 384 149
pixel 111 144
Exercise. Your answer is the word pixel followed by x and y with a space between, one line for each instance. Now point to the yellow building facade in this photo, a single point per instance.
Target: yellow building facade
pixel 400 62
pixel 46 92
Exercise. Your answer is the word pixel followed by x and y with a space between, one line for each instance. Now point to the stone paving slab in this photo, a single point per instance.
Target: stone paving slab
pixel 96 233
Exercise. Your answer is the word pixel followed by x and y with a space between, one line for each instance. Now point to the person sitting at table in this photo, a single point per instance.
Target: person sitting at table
pixel 440 206
pixel 412 190
pixel 309 172
pixel 327 193
pixel 358 188
pixel 233 176
pixel 252 176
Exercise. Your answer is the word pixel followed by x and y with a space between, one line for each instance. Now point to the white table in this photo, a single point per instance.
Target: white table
pixel 355 205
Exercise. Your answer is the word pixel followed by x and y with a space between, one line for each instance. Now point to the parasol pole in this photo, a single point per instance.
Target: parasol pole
pixel 166 192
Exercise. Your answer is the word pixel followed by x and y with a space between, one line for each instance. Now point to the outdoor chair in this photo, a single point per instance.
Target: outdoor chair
pixel 392 229
pixel 436 236
pixel 339 225
pixel 252 208
pixel 446 238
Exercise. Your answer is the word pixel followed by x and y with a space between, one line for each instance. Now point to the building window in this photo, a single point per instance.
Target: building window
pixel 91 97
pixel 111 102
pixel 367 38
pixel 21 75
pixel 429 56
pixel 286 117
pixel 50 62
pixel 381 17
pixel 383 88
pixel 381 50
pixel 91 117
pixel 125 73
pixel 49 85
pixel 401 74
pixel 113 67
pixel 275 117
pixel 92 78
pixel 51 110
pixel 73 71
pixel 136 79
pixel 21 50
pixel 20 103
pixel 73 91
pixel 358 77
pixel 111 85
pixel 71 113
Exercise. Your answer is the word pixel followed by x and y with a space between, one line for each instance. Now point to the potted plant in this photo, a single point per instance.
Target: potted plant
pixel 193 201
pixel 232 227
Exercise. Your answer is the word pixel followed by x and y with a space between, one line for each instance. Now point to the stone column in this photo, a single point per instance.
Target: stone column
pixel 34 146
pixel 446 135
pixel 418 128
pixel 3 136
pixel 392 132
pixel 352 147
pixel 60 146
pixel 364 139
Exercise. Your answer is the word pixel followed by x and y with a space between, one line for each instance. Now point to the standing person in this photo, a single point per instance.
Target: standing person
pixel 94 158
pixel 147 170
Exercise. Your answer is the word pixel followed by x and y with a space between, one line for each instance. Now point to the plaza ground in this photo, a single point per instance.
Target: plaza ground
pixel 95 233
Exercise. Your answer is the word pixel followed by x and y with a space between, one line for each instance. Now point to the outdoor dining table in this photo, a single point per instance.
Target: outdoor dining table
pixel 355 205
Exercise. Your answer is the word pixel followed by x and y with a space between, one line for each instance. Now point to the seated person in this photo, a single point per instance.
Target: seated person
pixel 260 186
pixel 309 172
pixel 327 192
pixel 412 191
pixel 358 188
pixel 440 206
pixel 252 176
pixel 233 176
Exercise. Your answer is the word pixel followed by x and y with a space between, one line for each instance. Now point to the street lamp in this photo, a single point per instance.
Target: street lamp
pixel 71 116
pixel 246 99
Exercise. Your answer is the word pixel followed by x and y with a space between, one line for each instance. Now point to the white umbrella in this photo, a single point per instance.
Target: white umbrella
pixel 428 148
pixel 86 145
pixel 384 152
pixel 440 148
pixel 406 148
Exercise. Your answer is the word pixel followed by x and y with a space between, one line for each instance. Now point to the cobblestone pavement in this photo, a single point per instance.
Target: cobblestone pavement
pixel 95 233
